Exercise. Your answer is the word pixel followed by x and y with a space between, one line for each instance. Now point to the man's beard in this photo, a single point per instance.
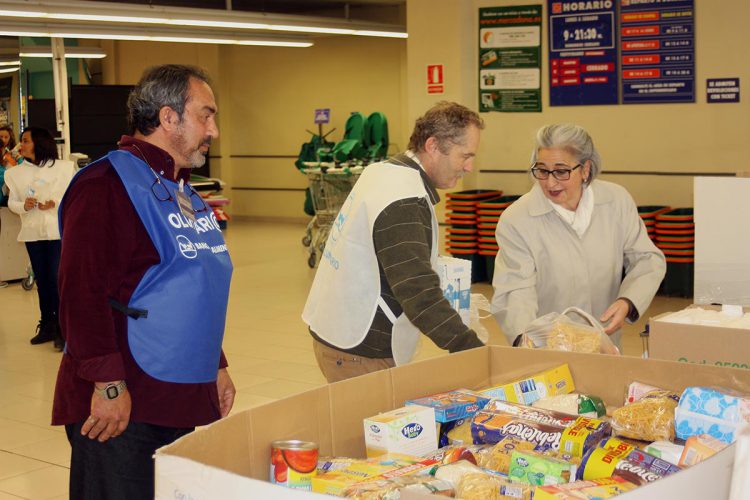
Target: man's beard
pixel 195 158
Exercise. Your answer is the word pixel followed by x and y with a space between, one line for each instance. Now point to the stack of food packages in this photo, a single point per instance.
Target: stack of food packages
pixel 535 438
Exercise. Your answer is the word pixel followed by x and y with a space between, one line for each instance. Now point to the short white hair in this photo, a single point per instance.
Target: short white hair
pixel 573 139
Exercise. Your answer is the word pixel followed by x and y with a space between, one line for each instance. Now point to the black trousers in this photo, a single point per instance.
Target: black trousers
pixel 45 261
pixel 121 468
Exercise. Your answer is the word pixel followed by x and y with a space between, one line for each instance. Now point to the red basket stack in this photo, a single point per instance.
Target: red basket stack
pixel 648 215
pixel 488 213
pixel 675 236
pixel 462 239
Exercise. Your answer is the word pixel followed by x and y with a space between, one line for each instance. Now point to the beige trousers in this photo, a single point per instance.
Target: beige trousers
pixel 338 365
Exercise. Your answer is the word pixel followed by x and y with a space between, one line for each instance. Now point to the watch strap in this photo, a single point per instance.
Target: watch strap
pixel 111 391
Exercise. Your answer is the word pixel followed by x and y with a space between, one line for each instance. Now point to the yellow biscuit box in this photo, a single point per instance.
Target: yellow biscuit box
pixel 525 391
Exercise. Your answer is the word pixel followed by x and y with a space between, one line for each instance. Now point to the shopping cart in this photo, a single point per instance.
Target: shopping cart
pixel 329 188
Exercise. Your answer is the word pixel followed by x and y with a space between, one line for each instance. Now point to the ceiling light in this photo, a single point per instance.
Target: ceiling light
pixel 70 52
pixel 9 70
pixel 115 12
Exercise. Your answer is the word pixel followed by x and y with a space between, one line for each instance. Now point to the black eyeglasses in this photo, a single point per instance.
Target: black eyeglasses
pixel 561 174
pixel 161 193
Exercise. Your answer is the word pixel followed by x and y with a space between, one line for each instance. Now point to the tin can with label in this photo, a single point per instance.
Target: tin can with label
pixel 294 463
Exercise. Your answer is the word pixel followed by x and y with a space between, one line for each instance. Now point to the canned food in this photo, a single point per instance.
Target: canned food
pixel 294 463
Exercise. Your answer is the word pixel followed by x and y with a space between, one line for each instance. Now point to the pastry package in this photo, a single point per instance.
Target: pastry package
pixel 615 458
pixel 497 458
pixel 493 427
pixel 541 415
pixel 579 490
pixel 453 472
pixel 651 418
pixel 482 486
pixel 537 469
pixel 390 489
pixel 560 332
pixel 573 404
pixel 454 453
pixel 699 448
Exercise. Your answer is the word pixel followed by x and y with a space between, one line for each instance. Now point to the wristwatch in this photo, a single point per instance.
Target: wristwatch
pixel 111 391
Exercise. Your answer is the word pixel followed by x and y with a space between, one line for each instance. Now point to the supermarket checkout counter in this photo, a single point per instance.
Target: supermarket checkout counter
pixel 13 257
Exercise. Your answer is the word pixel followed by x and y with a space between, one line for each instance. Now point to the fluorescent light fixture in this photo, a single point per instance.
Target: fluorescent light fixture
pixel 70 52
pixel 118 13
pixel 10 69
pixel 11 62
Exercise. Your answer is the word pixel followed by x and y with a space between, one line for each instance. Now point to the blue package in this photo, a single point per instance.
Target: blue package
pixel 718 413
pixel 453 405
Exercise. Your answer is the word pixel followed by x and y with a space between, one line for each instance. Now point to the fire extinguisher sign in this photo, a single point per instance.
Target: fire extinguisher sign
pixel 435 82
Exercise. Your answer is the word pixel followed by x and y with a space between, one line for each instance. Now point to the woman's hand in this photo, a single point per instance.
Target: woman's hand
pixel 615 314
pixel 29 203
pixel 47 205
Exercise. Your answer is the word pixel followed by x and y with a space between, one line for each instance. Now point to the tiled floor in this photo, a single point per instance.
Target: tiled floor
pixel 269 351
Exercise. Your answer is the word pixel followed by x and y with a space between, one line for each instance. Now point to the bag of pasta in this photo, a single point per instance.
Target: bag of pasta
pixel 560 332
pixel 651 418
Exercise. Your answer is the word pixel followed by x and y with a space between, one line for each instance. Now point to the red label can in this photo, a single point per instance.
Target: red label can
pixel 294 463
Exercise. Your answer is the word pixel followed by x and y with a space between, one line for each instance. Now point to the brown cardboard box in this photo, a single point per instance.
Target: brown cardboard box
pixel 230 459
pixel 705 345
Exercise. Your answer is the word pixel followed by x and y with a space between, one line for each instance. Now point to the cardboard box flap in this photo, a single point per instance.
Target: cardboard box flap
pixel 351 402
pixel 305 416
pixel 467 369
pixel 206 446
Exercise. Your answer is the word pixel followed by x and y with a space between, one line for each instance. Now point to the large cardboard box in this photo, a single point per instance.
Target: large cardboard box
pixel 705 345
pixel 230 459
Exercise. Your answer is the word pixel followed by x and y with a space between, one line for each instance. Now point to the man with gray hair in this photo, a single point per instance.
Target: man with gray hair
pixel 144 284
pixel 376 288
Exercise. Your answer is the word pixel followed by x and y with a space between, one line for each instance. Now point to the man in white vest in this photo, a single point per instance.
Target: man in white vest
pixel 376 288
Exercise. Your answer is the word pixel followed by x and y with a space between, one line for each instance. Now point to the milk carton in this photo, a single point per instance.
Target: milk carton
pixel 409 430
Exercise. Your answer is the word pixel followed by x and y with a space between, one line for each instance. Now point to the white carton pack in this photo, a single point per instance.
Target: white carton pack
pixel 455 280
pixel 409 430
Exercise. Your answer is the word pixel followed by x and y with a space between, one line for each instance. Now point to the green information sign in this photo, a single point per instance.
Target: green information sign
pixel 510 58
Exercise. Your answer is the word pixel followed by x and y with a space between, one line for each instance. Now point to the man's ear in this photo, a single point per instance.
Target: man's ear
pixel 431 145
pixel 168 118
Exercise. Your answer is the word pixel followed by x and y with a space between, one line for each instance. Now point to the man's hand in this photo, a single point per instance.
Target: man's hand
pixel 615 314
pixel 47 205
pixel 29 203
pixel 226 390
pixel 109 417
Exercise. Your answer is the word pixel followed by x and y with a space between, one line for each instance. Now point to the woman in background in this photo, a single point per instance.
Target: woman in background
pixel 36 187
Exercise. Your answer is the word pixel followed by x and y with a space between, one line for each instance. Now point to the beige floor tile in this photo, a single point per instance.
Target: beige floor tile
pixel 8 496
pixel 243 380
pixel 53 451
pixel 18 434
pixel 47 482
pixel 13 464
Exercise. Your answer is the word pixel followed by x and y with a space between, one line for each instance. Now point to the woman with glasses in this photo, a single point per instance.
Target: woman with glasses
pixel 36 187
pixel 568 240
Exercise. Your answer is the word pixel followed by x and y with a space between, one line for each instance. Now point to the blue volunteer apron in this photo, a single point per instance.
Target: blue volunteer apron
pixel 177 312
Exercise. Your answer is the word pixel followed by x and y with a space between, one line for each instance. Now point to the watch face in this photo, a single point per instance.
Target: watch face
pixel 112 392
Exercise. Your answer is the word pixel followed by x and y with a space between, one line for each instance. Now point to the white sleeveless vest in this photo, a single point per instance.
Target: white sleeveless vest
pixel 346 290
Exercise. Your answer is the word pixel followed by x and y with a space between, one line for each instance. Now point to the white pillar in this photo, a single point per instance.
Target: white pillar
pixel 60 80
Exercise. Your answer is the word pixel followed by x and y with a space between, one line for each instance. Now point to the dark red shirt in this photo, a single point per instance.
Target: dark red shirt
pixel 105 253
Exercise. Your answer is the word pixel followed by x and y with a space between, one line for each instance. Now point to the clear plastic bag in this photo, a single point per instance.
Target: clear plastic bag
pixel 558 331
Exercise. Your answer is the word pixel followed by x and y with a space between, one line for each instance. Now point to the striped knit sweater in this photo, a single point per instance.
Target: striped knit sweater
pixel 402 235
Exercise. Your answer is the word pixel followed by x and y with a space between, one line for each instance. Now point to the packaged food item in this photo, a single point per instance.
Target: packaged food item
pixel 458 433
pixel 615 458
pixel 329 464
pixel 410 430
pixel 637 390
pixel 536 469
pixel 650 418
pixel 716 412
pixel 453 472
pixel 541 415
pixel 454 453
pixel 665 450
pixel 573 404
pixel 581 490
pixel 481 486
pixel 293 463
pixel 390 489
pixel 335 482
pixel 497 458
pixel 699 448
pixel 557 380
pixel 584 434
pixel 559 332
pixel 492 427
pixel 453 405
